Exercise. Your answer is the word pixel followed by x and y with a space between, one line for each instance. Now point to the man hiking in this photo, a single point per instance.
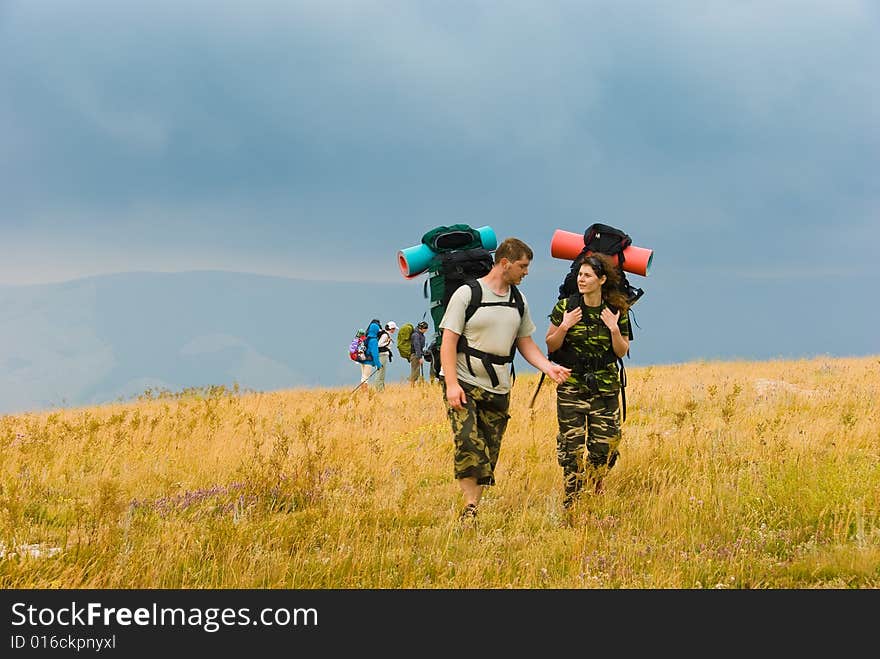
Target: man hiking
pixel 476 352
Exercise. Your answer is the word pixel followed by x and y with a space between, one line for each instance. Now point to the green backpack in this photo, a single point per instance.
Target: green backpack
pixel 458 256
pixel 404 346
pixel 460 259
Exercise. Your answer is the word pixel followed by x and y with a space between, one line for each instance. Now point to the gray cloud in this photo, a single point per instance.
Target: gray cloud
pixel 262 137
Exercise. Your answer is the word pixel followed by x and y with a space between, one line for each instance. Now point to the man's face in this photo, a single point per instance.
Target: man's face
pixel 514 271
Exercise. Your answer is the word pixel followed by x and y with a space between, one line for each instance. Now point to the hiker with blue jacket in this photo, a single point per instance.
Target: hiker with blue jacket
pixel 372 363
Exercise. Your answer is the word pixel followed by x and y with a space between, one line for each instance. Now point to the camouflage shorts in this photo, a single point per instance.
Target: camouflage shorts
pixel 477 429
pixel 588 423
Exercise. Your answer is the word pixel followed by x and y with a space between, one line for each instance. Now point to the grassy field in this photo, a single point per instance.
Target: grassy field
pixel 732 475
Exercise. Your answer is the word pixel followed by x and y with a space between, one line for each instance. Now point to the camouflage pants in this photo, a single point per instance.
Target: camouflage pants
pixel 589 434
pixel 477 430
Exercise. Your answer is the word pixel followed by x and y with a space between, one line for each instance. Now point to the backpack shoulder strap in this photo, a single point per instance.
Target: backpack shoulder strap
pixel 517 298
pixel 476 298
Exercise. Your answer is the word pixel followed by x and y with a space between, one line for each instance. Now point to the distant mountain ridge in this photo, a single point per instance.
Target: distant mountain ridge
pixel 103 338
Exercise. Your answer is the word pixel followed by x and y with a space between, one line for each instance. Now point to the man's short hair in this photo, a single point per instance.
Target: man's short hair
pixel 423 325
pixel 513 249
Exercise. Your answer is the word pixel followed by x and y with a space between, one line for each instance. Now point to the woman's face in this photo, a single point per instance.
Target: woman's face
pixel 587 280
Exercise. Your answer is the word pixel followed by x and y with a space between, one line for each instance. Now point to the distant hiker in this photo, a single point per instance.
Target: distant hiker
pixel 417 353
pixel 372 362
pixel 385 340
pixel 588 333
pixel 474 358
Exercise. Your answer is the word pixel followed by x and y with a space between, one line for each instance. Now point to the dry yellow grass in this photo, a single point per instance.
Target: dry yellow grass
pixel 732 475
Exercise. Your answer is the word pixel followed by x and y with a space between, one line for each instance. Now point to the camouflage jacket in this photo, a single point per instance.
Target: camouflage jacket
pixel 587 349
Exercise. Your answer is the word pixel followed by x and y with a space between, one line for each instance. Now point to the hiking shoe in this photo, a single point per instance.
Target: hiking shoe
pixel 469 514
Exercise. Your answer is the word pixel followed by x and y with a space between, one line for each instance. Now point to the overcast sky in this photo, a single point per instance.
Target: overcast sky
pixel 315 139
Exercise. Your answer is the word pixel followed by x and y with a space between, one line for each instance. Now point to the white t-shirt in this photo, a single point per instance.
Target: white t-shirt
pixel 491 329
